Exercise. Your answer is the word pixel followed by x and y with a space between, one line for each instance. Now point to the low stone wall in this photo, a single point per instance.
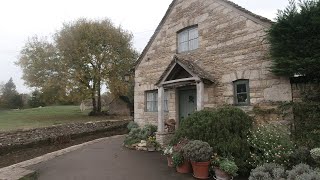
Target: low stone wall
pixel 56 134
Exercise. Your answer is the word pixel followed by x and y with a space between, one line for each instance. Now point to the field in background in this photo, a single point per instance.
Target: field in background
pixel 42 117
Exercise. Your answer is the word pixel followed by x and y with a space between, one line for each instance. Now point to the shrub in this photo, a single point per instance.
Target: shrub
pixel 138 134
pixel 177 159
pixel 301 155
pixel 303 172
pixel 270 144
pixel 306 124
pixel 179 146
pixel 315 154
pixel 133 137
pixel 268 171
pixel 132 125
pixel 197 151
pixel 225 129
pixel 229 167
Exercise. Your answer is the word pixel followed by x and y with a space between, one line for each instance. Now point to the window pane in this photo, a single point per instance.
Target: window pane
pixel 193 44
pixel 242 98
pixel 183 36
pixel 241 88
pixel 149 96
pixel 166 94
pixel 149 106
pixel 183 47
pixel 193 33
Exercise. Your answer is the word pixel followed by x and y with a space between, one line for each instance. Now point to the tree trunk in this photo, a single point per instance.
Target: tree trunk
pixel 94 103
pixel 99 96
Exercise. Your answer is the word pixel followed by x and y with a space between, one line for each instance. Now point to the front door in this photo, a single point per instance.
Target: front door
pixel 187 103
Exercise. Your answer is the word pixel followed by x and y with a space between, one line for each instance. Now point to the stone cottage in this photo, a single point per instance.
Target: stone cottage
pixel 204 54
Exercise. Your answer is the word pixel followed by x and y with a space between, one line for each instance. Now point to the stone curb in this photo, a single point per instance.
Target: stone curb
pixel 19 170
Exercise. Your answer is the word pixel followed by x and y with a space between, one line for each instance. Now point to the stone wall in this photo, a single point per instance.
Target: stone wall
pixel 232 46
pixel 59 133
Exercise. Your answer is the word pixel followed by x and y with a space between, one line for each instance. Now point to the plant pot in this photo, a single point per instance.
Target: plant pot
pixel 221 175
pixel 170 162
pixel 184 168
pixel 200 169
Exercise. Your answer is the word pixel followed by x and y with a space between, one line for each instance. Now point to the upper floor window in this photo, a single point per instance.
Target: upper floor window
pixel 188 39
pixel 241 92
pixel 152 101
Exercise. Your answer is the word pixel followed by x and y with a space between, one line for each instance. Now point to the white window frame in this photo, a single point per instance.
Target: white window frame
pixel 188 40
pixel 154 100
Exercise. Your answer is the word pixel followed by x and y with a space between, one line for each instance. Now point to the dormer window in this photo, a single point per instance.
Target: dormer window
pixel 188 39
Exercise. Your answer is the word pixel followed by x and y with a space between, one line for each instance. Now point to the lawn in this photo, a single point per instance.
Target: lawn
pixel 42 117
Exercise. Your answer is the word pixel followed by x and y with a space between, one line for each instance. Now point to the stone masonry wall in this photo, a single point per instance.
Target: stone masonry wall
pixel 232 46
pixel 21 138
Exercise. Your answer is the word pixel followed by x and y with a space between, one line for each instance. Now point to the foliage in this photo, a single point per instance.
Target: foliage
pixel 268 171
pixel 306 124
pixel 168 151
pixel 225 129
pixel 294 40
pixel 132 125
pixel 303 172
pixel 229 167
pixel 315 154
pixel 152 142
pixel 177 159
pixel 10 98
pixel 301 155
pixel 270 144
pixel 36 99
pixel 84 55
pixel 197 151
pixel 180 145
pixel 138 134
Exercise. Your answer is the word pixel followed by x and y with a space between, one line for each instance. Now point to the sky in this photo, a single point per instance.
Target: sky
pixel 21 19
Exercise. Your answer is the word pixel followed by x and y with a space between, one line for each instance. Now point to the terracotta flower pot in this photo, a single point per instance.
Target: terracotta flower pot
pixel 200 169
pixel 184 168
pixel 221 175
pixel 170 162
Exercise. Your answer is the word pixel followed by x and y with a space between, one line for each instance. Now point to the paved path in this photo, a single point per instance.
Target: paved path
pixel 106 160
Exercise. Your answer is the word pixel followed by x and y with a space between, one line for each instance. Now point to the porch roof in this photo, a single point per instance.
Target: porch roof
pixel 189 66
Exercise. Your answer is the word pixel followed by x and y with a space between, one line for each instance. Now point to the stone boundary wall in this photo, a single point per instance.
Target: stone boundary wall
pixel 56 134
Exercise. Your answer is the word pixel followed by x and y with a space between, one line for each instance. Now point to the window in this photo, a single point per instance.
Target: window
pixel 188 39
pixel 152 101
pixel 242 94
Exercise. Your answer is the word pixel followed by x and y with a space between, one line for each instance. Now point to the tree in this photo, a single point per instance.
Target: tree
pixel 36 99
pixel 10 97
pixel 295 40
pixel 83 56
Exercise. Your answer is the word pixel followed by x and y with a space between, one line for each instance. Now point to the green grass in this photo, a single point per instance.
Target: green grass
pixel 42 117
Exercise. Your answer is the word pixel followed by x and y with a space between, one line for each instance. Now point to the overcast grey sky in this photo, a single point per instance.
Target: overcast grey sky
pixel 21 19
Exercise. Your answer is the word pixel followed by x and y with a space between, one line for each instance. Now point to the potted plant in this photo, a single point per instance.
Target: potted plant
pixel 181 163
pixel 152 144
pixel 224 168
pixel 199 153
pixel 168 151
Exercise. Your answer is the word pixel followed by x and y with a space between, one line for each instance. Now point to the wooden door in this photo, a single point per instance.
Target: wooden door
pixel 187 103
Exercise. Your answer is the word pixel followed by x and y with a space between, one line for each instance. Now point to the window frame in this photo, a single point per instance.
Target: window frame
pixel 189 40
pixel 235 84
pixel 155 101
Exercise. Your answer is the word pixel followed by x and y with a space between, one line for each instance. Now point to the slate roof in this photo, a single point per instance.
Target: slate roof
pixel 261 18
pixel 193 67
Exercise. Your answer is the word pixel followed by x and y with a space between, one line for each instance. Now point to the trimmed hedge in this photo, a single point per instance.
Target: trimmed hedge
pixel 225 129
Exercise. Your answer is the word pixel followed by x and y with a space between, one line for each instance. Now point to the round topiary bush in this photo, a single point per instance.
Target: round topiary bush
pixel 197 151
pixel 225 129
